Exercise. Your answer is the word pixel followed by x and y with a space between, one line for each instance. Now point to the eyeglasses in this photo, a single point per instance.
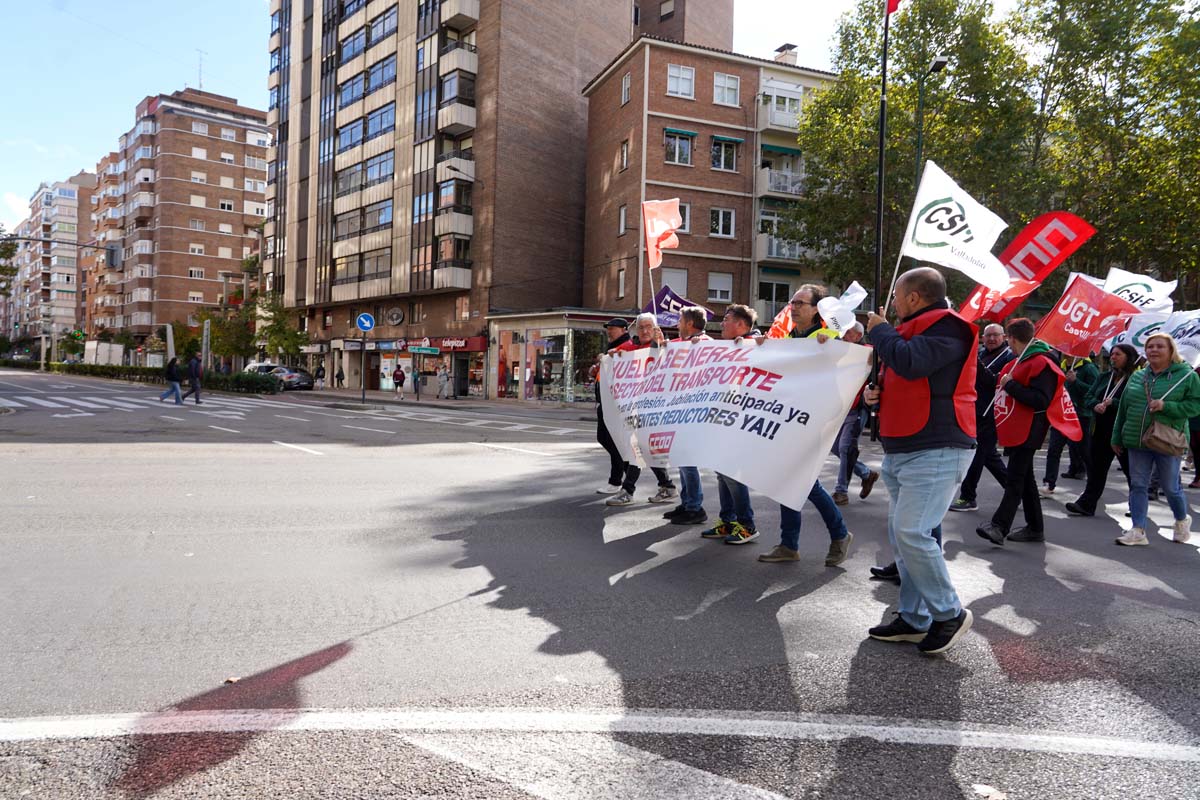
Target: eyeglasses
pixel 796 303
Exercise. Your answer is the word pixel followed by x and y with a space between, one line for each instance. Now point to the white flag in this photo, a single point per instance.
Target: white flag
pixel 1145 292
pixel 949 228
pixel 838 312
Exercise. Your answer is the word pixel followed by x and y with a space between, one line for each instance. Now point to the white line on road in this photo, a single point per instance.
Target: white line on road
pixel 753 725
pixel 298 447
pixel 23 387
pixel 372 430
pixel 514 449
pixel 227 430
pixel 81 403
pixel 43 403
pixel 298 419
pixel 124 406
pixel 6 403
pixel 177 419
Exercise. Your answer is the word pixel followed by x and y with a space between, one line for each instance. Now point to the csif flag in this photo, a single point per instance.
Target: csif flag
pixel 660 220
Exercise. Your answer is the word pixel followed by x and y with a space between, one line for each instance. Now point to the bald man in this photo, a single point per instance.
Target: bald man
pixel 926 397
pixel 993 356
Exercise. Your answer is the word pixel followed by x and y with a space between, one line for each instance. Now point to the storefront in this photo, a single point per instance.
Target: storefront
pixel 464 356
pixel 546 355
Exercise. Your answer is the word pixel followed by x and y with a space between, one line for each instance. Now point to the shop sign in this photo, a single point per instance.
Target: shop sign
pixel 372 345
pixel 352 344
pixel 449 344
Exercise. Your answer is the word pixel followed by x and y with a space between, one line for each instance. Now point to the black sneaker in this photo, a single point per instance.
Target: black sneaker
pixel 690 517
pixel 1076 510
pixel 897 631
pixel 1075 476
pixel 944 635
pixel 992 532
pixel 889 573
pixel 1023 534
pixel 963 505
pixel 674 512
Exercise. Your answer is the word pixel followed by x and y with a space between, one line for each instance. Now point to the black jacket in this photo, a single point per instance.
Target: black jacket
pixel 987 371
pixel 194 370
pixel 620 340
pixel 173 372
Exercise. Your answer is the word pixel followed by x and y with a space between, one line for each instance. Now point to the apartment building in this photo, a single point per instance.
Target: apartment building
pixel 429 169
pixel 184 197
pixel 718 131
pixel 45 291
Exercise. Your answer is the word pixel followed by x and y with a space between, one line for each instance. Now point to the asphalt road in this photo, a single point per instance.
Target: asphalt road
pixel 273 597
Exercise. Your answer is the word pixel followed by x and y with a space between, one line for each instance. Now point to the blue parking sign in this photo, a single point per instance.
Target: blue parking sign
pixel 365 322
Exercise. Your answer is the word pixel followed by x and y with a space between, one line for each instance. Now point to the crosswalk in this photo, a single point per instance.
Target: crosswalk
pixel 93 403
pixel 474 422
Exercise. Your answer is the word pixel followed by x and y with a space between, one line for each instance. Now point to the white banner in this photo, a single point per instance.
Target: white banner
pixel 765 415
pixel 1148 294
pixel 948 227
pixel 1184 327
pixel 1140 327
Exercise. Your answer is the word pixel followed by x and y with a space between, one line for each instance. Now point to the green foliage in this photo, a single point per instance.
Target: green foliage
pixel 232 331
pixel 187 340
pixel 243 382
pixel 277 328
pixel 8 270
pixel 5 344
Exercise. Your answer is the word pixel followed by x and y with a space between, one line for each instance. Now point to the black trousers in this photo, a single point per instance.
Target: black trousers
pixel 1021 490
pixel 1100 458
pixel 616 465
pixel 986 455
pixel 1079 452
pixel 633 472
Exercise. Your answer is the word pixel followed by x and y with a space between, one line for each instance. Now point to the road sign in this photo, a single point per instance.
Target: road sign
pixel 425 351
pixel 365 322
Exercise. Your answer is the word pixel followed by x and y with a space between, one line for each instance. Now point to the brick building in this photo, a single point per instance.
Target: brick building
pixel 716 130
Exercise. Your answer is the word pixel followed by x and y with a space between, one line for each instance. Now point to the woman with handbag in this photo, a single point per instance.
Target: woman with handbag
pixel 1103 399
pixel 1152 424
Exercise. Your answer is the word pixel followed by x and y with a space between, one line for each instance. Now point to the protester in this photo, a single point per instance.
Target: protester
pixel 194 371
pixel 646 329
pixel 398 377
pixel 320 376
pixel 736 514
pixel 618 334
pixel 845 446
pixel 172 375
pixel 690 510
pixel 340 378
pixel 926 398
pixel 1080 375
pixel 1166 394
pixel 1103 400
pixel 1031 392
pixel 993 356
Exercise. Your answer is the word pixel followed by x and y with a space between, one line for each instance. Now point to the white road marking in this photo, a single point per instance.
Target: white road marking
pixel 117 403
pixel 298 447
pixel 37 401
pixel 177 419
pixel 227 430
pixel 21 386
pixel 81 403
pixel 75 414
pixel 514 449
pixel 4 401
pixel 372 430
pixel 298 419
pixel 581 766
pixel 668 722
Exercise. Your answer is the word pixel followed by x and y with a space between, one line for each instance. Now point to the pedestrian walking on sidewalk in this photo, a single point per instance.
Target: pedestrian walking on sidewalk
pixel 339 378
pixel 398 379
pixel 443 379
pixel 194 372
pixel 320 376
pixel 172 375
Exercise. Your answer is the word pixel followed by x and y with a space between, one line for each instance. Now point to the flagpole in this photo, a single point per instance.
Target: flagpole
pixel 887 18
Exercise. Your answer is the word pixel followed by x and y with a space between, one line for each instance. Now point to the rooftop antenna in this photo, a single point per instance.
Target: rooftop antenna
pixel 200 69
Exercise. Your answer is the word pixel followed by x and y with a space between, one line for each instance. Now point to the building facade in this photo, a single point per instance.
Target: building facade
pixel 716 130
pixel 184 198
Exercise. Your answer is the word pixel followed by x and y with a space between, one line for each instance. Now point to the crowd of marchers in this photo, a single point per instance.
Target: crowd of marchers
pixel 951 401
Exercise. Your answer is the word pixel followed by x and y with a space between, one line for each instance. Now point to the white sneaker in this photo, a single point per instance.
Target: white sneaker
pixel 621 498
pixel 1133 538
pixel 1047 491
pixel 609 488
pixel 1182 532
pixel 665 495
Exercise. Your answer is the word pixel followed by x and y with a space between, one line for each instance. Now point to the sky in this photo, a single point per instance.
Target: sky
pixel 72 71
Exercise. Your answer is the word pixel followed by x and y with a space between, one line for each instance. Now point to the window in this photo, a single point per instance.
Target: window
pixel 199 152
pixel 621 221
pixel 353 44
pixel 621 282
pixel 224 227
pixel 348 181
pixel 726 89
pixel 351 90
pixel 226 181
pixel 256 209
pixel 275 22
pixel 256 163
pixel 775 294
pixel 681 81
pixel 274 61
pixel 458 87
pixel 257 138
pixel 676 279
pixel 350 7
pixel 377 216
pixel 227 158
pixel 350 135
pixel 381 74
pixel 379 168
pixel 195 272
pixel 462 307
pixel 196 249
pixel 720 222
pixel 229 134
pixel 200 127
pixel 381 120
pixel 624 160
pixel 345 270
pixel 626 80
pixel 225 205
pixel 720 287
pixel 724 155
pixel 454 251
pixel 347 225
pixel 685 213
pixel 196 224
pixel 679 149
pixel 198 200
pixel 199 177
pixel 377 263
pixel 195 297
pixel 665 9
pixel 455 195
pixel 273 98
pixel 255 186
pixel 224 252
pixel 383 25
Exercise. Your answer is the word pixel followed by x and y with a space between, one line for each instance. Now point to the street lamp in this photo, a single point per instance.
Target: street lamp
pixel 937 65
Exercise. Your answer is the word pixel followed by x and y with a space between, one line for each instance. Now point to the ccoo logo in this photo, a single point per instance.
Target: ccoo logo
pixel 660 443
pixel 940 222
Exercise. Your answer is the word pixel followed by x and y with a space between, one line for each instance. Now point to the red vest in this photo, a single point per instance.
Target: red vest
pixel 1014 420
pixel 906 411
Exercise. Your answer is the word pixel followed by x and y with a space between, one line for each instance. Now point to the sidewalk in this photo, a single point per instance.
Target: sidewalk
pixel 581 412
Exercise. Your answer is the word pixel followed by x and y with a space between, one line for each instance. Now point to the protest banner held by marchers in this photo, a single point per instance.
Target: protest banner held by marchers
pixel 1084 318
pixel 745 410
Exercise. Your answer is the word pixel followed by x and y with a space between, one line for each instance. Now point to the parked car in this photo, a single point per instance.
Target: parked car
pixel 261 366
pixel 294 377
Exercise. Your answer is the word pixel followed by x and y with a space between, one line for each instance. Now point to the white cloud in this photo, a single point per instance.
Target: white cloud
pixel 13 211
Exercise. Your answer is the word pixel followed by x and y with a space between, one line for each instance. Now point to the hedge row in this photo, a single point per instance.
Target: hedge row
pixel 245 382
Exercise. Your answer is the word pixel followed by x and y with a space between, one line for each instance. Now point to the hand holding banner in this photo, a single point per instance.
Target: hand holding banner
pixel 660 220
pixel 1084 318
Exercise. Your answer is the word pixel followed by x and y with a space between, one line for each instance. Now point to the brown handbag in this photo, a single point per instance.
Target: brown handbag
pixel 1161 437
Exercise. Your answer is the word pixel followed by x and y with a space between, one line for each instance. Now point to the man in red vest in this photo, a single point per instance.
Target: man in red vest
pixel 926 397
pixel 1028 402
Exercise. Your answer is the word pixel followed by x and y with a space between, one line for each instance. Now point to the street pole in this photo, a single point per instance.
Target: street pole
pixel 937 65
pixel 363 370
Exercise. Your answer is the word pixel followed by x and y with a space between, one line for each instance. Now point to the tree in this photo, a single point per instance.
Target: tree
pixel 277 329
pixel 8 270
pixel 232 331
pixel 6 344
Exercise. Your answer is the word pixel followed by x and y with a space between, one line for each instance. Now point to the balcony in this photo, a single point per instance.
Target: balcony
pixel 452 275
pixel 775 183
pixel 772 248
pixel 456 165
pixel 772 118
pixel 460 15
pixel 458 56
pixel 456 117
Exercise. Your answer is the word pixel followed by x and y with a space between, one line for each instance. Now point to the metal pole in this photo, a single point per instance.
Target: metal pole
pixel 920 128
pixel 880 170
pixel 363 371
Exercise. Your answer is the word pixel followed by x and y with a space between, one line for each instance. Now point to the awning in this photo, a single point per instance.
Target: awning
pixel 679 131
pixel 733 139
pixel 787 151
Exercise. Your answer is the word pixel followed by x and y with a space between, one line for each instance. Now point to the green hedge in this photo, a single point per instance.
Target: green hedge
pixel 245 382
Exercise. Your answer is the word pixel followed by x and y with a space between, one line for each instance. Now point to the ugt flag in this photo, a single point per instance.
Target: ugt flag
pixel 660 220
pixel 1084 318
pixel 948 227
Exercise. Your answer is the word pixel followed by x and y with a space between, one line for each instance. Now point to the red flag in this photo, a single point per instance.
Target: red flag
pixel 1084 318
pixel 660 220
pixel 1040 248
pixel 892 6
pixel 781 326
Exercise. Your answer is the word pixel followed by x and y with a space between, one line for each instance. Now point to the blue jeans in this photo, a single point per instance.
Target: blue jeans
pixel 691 495
pixel 789 518
pixel 735 501
pixel 172 388
pixel 1141 467
pixel 922 486
pixel 845 447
